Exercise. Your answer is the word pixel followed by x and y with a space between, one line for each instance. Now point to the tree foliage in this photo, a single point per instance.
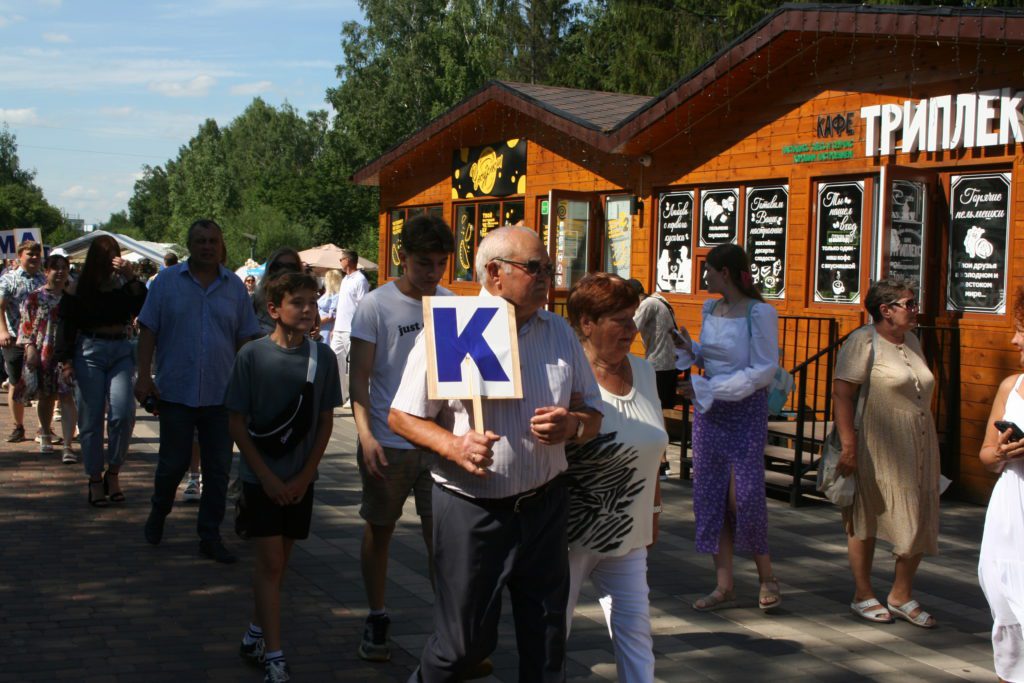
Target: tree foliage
pixel 22 204
pixel 284 177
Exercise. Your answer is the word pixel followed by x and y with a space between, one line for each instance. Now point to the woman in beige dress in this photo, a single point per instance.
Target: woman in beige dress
pixel 894 454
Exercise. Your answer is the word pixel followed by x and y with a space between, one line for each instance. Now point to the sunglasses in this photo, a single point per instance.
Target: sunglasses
pixel 532 267
pixel 909 304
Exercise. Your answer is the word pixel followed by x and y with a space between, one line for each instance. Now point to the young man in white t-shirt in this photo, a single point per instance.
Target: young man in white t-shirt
pixel 384 329
pixel 354 288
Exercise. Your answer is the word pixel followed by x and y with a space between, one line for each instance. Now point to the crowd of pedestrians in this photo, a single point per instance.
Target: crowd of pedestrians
pixel 553 490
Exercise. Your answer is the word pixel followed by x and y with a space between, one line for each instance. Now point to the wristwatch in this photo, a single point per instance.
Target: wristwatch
pixel 579 430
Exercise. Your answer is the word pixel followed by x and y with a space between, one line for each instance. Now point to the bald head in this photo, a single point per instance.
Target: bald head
pixel 509 242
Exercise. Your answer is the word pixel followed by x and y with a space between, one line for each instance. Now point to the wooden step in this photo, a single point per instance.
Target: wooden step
pixel 815 431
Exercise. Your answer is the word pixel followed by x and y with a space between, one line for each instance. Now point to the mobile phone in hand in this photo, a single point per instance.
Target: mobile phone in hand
pixel 1016 434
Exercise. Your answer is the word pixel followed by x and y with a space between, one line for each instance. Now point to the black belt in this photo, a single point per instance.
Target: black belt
pixel 107 336
pixel 513 503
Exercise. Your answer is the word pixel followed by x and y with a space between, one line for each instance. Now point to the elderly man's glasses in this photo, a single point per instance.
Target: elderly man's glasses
pixel 907 304
pixel 532 267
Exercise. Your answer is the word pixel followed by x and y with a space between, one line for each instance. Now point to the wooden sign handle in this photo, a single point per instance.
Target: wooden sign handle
pixel 469 370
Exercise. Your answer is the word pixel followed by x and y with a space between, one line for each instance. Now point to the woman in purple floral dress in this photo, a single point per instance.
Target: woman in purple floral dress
pixel 37 333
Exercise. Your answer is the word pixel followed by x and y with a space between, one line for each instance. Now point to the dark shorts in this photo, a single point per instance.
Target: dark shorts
pixel 258 516
pixel 14 359
pixel 668 382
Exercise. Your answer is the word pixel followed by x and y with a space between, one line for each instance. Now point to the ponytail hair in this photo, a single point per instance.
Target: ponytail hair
pixel 733 258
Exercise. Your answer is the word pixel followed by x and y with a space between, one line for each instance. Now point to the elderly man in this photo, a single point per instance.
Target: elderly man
pixel 499 506
pixel 353 288
pixel 197 315
pixel 15 285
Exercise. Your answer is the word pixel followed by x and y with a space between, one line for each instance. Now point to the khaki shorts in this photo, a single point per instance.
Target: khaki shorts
pixel 408 471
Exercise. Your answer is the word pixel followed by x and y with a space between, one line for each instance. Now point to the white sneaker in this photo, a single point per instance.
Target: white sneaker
pixel 193 490
pixel 45 445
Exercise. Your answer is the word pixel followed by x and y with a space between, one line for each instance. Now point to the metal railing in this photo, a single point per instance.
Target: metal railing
pixel 813 383
pixel 799 337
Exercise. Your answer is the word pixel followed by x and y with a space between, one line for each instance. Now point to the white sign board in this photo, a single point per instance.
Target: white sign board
pixel 10 239
pixel 472 347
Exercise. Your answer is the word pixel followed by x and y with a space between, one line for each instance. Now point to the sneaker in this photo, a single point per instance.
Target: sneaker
pixel 69 457
pixel 154 529
pixel 277 672
pixel 17 434
pixel 253 652
pixel 374 647
pixel 664 471
pixel 193 490
pixel 45 444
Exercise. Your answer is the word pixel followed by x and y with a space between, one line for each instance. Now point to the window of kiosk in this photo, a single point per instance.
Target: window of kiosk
pixel 396 220
pixel 572 233
pixel 618 235
pixel 473 222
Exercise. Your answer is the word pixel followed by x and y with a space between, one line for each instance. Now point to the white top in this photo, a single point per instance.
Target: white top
pixel 613 476
pixel 353 288
pixel 655 321
pixel 738 357
pixel 553 367
pixel 391 321
pixel 1001 561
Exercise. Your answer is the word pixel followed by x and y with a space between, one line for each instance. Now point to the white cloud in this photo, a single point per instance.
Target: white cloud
pixel 251 89
pixel 19 116
pixel 8 19
pixel 117 112
pixel 56 37
pixel 196 87
pixel 80 192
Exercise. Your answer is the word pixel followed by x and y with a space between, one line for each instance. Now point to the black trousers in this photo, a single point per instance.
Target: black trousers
pixel 479 550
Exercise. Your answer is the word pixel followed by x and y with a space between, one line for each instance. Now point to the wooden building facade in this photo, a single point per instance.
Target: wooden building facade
pixel 837 144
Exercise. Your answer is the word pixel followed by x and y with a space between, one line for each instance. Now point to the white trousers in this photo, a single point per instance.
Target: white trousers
pixel 621 584
pixel 341 342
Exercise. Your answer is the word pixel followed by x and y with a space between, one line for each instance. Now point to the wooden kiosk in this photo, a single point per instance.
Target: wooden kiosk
pixel 838 145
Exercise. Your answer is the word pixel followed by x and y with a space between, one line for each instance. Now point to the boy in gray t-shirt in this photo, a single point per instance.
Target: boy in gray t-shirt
pixel 277 480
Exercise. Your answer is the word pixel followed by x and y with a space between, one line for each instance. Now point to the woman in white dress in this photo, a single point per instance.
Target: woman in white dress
pixel 614 495
pixel 1001 567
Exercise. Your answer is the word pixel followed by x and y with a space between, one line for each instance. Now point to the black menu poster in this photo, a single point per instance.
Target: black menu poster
pixel 767 214
pixel 906 233
pixel 978 225
pixel 840 229
pixel 718 218
pixel 674 270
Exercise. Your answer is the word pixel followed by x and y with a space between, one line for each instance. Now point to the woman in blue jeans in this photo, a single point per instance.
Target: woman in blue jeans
pixel 96 335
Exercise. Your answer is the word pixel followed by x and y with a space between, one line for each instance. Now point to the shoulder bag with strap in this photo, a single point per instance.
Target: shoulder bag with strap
pixel 782 383
pixel 839 489
pixel 280 436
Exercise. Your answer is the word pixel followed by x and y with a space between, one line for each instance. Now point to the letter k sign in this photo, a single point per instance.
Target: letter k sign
pixel 452 346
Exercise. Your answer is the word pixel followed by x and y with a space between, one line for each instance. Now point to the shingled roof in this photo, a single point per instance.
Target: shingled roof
pixel 596 110
pixel 621 124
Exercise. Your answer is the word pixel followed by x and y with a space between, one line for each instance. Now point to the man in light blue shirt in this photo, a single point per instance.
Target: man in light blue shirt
pixel 197 315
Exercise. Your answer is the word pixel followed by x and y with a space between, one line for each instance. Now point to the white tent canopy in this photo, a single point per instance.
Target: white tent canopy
pixel 328 256
pixel 151 251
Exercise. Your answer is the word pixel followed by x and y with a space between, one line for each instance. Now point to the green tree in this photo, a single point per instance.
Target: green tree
pixel 149 208
pixel 22 204
pixel 199 182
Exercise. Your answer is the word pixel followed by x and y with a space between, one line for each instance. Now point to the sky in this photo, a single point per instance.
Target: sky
pixel 95 89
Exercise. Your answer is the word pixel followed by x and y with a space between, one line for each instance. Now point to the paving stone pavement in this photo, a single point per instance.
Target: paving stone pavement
pixel 84 598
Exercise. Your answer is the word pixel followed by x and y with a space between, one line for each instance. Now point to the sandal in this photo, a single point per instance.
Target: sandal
pixel 769 596
pixel 100 501
pixel 871 610
pixel 716 599
pixel 923 619
pixel 116 496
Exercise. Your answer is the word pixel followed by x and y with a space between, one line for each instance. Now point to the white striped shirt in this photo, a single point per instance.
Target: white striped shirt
pixel 553 367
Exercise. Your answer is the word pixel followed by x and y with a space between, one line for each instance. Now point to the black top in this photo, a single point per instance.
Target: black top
pixel 86 312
